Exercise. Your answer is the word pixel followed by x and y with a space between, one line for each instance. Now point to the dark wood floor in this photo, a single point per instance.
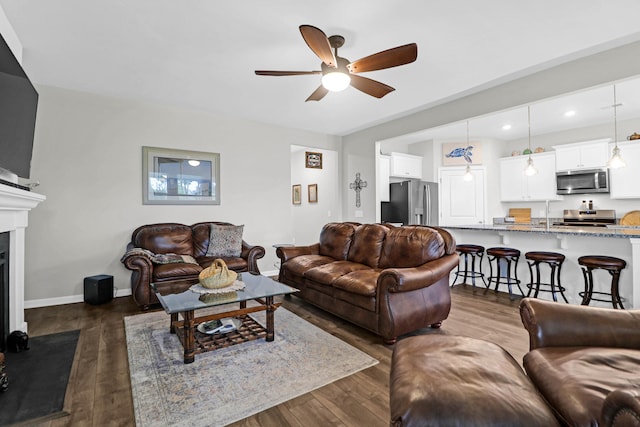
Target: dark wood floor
pixel 99 392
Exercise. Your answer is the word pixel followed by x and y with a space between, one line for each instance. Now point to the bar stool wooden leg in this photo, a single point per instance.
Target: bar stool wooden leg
pixel 588 283
pixel 615 294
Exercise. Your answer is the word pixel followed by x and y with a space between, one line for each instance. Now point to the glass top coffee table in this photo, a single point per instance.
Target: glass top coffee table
pixel 258 288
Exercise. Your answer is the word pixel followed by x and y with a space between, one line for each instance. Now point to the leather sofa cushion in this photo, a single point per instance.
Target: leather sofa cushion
pixel 362 282
pixel 300 264
pixel 367 244
pixel 233 263
pixel 440 380
pixel 165 238
pixel 335 239
pixel 576 380
pixel 201 233
pixel 175 271
pixel 327 273
pixel 411 246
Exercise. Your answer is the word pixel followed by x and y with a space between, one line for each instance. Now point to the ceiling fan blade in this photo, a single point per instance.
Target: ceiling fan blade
pixel 317 94
pixel 285 73
pixel 370 87
pixel 386 59
pixel 318 42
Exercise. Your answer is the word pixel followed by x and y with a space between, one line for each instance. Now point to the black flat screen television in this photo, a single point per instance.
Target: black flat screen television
pixel 18 106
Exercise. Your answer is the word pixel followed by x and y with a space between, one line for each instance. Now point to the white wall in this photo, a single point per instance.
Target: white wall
pixel 308 218
pixel 10 36
pixel 88 159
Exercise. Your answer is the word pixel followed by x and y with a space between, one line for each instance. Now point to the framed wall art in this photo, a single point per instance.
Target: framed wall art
pixel 180 177
pixel 313 160
pixel 313 193
pixel 296 194
pixel 461 153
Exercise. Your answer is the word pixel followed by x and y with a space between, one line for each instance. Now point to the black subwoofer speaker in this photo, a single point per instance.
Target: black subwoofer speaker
pixel 98 289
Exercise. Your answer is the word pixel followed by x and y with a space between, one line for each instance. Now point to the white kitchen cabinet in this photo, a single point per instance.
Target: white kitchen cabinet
pixel 383 177
pixel 515 186
pixel 406 165
pixel 623 182
pixel 582 155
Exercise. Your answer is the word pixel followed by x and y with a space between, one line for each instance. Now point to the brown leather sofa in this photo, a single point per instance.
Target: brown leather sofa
pixel 583 369
pixel 179 239
pixel 389 280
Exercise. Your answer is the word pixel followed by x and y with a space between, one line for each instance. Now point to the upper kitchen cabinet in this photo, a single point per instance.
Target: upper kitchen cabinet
pixel 404 165
pixel 515 186
pixel 624 181
pixel 582 155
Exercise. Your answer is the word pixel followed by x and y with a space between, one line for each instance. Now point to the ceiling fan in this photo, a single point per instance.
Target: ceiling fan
pixel 338 73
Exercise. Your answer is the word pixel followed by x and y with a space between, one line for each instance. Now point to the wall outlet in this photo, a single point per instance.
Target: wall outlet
pixel 329 214
pixel 359 214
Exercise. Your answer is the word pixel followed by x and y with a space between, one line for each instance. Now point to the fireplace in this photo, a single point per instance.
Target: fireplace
pixel 4 290
pixel 15 205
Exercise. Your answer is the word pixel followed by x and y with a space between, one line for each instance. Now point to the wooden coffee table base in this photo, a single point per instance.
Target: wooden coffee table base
pixel 195 342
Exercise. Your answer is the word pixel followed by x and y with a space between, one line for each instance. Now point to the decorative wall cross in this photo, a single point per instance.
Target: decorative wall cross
pixel 358 185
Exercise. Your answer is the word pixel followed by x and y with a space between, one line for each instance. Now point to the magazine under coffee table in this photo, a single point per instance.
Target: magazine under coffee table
pixel 258 288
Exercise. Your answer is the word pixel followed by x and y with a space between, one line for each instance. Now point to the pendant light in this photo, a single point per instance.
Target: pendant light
pixel 615 161
pixel 530 170
pixel 468 176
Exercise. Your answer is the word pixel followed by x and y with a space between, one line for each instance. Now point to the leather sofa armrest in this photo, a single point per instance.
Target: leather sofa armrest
pixel 552 324
pixel 142 271
pixel 285 253
pixel 252 253
pixel 409 279
pixel 621 408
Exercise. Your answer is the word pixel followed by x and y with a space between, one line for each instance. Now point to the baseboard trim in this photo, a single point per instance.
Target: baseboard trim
pixel 72 299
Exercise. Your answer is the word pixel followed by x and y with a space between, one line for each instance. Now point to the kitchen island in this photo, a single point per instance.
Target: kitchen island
pixel 573 242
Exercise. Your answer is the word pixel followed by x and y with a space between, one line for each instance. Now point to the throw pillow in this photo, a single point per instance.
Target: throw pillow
pixel 225 240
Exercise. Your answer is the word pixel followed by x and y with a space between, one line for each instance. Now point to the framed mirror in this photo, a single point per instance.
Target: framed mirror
pixel 180 177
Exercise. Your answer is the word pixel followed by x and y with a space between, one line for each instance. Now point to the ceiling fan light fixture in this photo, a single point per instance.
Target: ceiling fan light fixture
pixel 336 81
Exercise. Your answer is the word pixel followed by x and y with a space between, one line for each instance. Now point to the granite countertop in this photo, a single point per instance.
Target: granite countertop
pixel 611 231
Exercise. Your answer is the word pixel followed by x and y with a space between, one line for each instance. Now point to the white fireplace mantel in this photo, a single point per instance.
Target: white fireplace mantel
pixel 15 205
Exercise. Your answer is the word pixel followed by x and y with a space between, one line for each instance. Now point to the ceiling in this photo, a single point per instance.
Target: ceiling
pixel 568 111
pixel 202 54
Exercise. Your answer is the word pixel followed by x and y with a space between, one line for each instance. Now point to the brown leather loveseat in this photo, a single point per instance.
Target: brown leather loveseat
pixel 173 255
pixel 389 280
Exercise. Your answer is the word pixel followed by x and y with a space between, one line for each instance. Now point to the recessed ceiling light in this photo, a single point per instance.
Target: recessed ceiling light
pixel 506 127
pixel 570 113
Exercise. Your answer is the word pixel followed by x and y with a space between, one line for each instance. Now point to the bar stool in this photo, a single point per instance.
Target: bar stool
pixel 473 252
pixel 502 256
pixel 613 265
pixel 554 260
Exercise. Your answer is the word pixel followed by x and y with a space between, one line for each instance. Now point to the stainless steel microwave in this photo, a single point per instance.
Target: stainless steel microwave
pixel 583 181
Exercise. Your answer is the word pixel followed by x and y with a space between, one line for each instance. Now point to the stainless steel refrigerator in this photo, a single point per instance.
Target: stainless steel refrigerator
pixel 411 202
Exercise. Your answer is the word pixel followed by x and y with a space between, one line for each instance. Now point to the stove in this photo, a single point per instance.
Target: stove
pixel 588 218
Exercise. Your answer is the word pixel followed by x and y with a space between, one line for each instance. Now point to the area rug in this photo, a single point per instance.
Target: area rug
pixel 38 379
pixel 229 384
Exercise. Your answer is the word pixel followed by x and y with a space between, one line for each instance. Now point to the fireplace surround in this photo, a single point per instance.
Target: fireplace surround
pixel 15 205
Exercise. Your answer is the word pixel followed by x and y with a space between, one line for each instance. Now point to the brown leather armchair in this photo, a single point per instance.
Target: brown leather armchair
pixel 191 241
pixel 585 361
